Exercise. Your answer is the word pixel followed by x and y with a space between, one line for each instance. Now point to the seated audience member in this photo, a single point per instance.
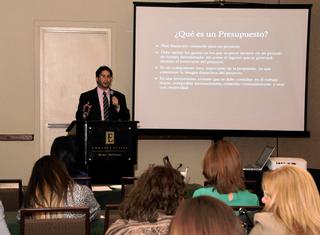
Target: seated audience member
pixel 292 204
pixel 50 185
pixel 66 149
pixel 151 203
pixel 223 171
pixel 205 215
pixel 3 226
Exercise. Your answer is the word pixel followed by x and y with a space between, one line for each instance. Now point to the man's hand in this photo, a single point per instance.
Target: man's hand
pixel 86 110
pixel 115 102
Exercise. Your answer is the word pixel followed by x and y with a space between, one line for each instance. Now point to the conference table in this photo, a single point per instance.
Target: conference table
pixel 112 196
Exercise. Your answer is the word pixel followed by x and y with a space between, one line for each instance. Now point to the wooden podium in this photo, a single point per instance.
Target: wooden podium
pixel 108 149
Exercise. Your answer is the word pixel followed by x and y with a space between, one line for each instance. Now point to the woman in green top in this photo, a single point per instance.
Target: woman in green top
pixel 223 171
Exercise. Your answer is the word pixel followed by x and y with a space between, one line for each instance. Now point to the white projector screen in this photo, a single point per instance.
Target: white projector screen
pixel 220 68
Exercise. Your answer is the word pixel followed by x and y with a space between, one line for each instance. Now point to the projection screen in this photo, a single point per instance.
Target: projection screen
pixel 210 67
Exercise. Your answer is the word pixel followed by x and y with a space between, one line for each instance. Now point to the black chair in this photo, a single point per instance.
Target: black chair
pixel 111 215
pixel 55 221
pixel 246 215
pixel 126 185
pixel 11 194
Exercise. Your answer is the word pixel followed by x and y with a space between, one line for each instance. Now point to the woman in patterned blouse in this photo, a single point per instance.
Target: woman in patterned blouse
pixel 150 205
pixel 50 185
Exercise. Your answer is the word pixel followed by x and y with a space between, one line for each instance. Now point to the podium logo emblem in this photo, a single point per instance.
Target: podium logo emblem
pixel 110 137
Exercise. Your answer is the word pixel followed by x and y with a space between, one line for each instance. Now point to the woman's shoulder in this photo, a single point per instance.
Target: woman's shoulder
pixel 79 191
pixel 264 216
pixel 248 193
pixel 246 198
pixel 128 227
pixel 267 223
pixel 203 191
pixel 81 195
pixel 81 188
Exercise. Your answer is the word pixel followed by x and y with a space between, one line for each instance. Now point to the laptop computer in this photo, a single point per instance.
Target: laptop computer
pixel 262 160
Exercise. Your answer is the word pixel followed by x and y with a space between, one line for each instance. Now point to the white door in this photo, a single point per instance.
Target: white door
pixel 69 58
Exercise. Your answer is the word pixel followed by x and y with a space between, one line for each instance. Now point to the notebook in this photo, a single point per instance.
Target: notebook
pixel 262 160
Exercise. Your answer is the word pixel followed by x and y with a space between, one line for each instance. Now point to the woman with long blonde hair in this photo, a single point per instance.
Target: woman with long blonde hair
pixel 292 203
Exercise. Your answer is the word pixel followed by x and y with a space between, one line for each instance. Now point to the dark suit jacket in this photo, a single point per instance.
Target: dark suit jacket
pixel 95 112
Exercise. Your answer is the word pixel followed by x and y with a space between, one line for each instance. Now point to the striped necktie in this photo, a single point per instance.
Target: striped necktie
pixel 106 107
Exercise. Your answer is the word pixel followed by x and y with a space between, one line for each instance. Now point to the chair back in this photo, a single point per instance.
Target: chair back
pixel 111 215
pixel 55 221
pixel 246 215
pixel 11 194
pixel 166 162
pixel 127 184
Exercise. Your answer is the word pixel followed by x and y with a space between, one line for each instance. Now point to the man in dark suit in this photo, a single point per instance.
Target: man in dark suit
pixel 103 103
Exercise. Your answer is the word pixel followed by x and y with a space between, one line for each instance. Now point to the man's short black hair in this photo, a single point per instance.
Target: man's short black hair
pixel 102 68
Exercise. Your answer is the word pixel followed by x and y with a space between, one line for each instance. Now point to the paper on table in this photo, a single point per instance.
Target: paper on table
pixel 98 188
pixel 116 186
